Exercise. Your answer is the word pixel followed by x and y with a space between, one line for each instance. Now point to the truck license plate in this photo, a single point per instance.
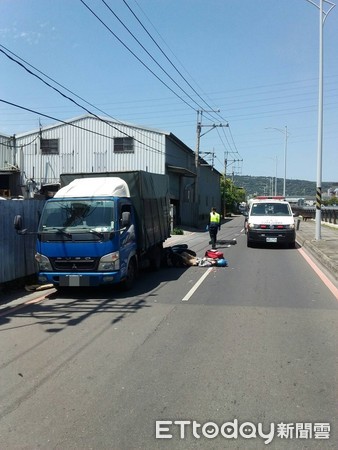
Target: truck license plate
pixel 271 239
pixel 69 280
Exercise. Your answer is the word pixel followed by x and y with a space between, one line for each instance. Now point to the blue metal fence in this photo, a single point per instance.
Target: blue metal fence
pixel 17 251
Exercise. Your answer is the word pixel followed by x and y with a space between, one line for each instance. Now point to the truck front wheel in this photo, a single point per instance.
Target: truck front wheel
pixel 129 281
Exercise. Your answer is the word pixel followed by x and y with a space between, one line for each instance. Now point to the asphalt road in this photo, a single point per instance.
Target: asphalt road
pixel 254 342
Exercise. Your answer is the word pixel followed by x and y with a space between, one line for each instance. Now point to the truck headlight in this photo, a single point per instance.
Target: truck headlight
pixel 43 262
pixel 291 226
pixel 252 225
pixel 109 262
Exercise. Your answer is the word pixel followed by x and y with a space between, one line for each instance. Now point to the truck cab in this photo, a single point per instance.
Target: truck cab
pixel 85 239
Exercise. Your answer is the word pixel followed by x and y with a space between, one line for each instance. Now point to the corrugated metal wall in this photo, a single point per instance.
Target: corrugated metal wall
pixel 209 192
pixel 17 252
pixel 89 147
pixel 179 156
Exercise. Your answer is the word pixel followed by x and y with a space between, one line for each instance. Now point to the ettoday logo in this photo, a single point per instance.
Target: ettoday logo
pixel 246 430
pixel 210 430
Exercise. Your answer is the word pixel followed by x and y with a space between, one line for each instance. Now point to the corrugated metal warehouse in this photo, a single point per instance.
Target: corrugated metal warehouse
pixel 92 144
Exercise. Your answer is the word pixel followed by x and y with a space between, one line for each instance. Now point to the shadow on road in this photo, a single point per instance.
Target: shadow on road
pixel 73 306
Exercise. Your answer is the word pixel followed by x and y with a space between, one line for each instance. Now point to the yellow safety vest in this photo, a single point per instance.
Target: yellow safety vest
pixel 215 218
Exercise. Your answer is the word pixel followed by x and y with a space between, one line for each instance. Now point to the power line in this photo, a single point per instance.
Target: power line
pixel 81 106
pixel 151 37
pixel 61 93
pixel 134 54
pixel 53 118
pixel 62 86
pixel 165 55
pixel 142 46
pixel 76 103
pixel 148 53
pixel 76 126
pixel 70 99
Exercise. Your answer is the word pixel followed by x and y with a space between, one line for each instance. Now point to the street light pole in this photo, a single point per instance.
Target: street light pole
pixel 285 132
pixel 276 177
pixel 285 152
pixel 320 129
pixel 322 16
pixel 274 188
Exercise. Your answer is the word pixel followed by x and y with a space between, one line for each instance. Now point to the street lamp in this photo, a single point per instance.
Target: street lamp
pixel 322 16
pixel 274 159
pixel 286 135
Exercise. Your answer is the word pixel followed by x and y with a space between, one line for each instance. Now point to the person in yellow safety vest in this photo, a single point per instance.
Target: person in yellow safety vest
pixel 214 226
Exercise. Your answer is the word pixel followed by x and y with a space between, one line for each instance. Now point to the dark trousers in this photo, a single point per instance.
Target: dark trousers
pixel 213 236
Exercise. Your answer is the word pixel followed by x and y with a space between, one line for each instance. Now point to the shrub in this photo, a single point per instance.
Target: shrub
pixel 177 231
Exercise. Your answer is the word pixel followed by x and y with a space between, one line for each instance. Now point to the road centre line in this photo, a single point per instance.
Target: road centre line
pixel 321 275
pixel 196 285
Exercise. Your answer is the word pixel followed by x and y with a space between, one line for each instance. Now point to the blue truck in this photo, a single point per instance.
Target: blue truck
pixel 101 228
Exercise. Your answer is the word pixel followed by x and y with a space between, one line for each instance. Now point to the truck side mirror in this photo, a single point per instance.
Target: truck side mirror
pixel 18 225
pixel 125 221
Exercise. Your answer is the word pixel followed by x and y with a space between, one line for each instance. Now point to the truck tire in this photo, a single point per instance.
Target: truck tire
pixel 129 281
pixel 156 258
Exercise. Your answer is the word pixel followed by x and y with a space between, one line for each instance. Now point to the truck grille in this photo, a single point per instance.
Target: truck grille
pixel 75 264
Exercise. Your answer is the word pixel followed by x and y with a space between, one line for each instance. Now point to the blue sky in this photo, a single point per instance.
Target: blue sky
pixel 256 61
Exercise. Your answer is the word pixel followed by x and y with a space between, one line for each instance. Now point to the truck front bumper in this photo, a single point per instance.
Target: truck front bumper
pixel 271 236
pixel 60 279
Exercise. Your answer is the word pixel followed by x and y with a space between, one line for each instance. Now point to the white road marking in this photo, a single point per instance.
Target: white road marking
pixel 196 285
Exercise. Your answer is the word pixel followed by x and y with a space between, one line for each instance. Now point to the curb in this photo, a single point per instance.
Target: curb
pixel 320 256
pixel 26 296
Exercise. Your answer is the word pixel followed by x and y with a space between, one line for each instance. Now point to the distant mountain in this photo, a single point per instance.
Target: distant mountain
pixel 293 188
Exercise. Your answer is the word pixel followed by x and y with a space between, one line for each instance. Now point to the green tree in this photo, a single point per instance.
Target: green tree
pixel 330 202
pixel 231 195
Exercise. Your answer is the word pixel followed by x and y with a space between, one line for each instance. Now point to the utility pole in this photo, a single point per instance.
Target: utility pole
pixel 225 177
pixel 227 163
pixel 198 140
pixel 203 154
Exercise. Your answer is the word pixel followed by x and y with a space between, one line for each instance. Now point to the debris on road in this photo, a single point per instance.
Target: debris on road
pixel 182 256
pixel 38 287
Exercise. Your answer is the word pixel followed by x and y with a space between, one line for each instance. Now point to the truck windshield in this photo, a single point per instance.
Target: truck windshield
pixel 270 209
pixel 78 215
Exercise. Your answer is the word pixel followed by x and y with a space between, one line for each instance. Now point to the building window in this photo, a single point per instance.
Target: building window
pixel 124 145
pixel 49 146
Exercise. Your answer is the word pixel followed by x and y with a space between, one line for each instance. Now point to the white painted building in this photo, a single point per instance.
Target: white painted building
pixel 91 144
